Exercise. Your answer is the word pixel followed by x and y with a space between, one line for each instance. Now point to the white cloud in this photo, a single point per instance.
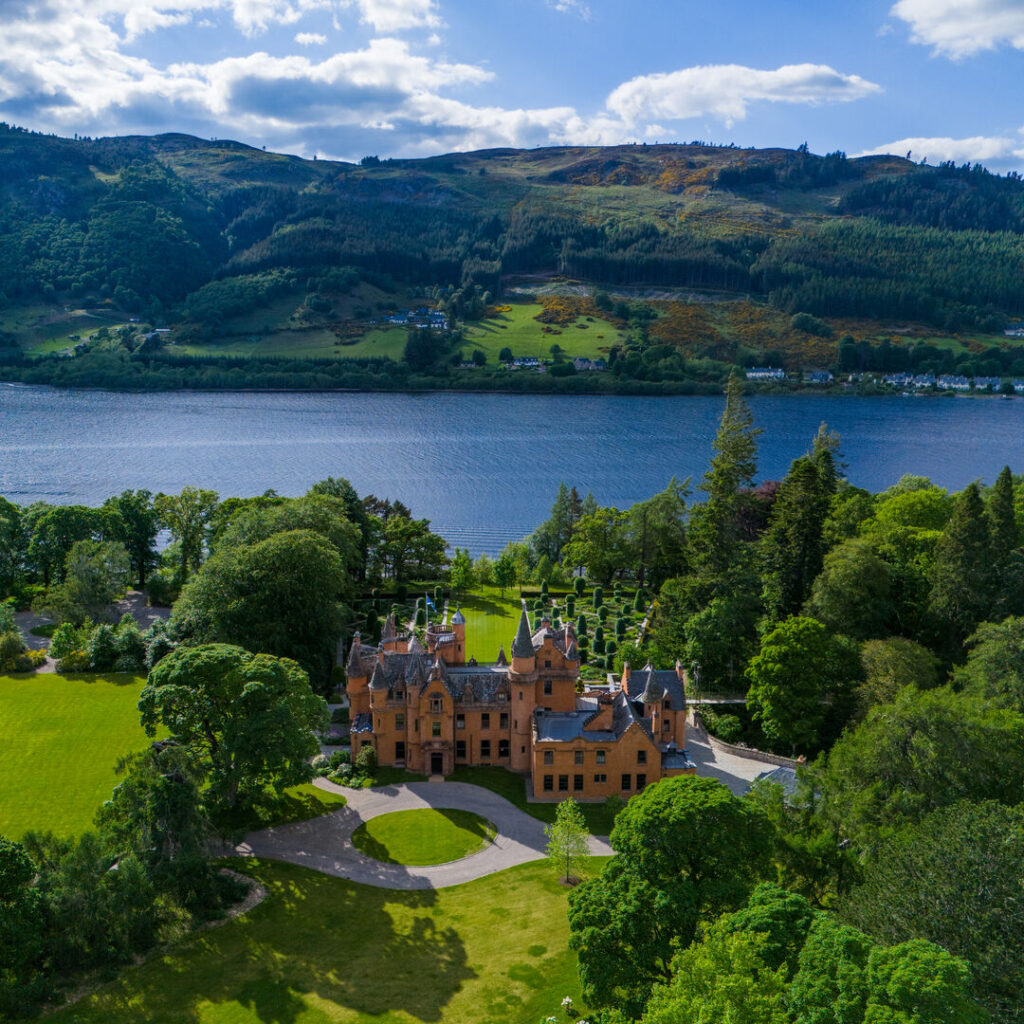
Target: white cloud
pixel 310 38
pixel 981 148
pixel 577 7
pixel 396 15
pixel 725 90
pixel 963 28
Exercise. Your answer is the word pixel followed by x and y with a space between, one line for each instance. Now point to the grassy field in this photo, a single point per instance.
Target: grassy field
pixel 518 330
pixel 43 329
pixel 322 950
pixel 59 740
pixel 426 836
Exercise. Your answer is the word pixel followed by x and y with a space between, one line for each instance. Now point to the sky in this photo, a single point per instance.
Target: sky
pixel 940 79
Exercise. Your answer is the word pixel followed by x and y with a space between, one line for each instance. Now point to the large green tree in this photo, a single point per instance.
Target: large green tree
pixel 994 670
pixel 188 516
pixel 140 525
pixel 686 850
pixel 956 879
pixel 95 574
pixel 283 596
pixel 249 720
pixel 852 594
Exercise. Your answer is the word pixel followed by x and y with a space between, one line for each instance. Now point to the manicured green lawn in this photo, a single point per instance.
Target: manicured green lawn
pixel 322 949
pixel 425 836
pixel 59 740
pixel 295 804
pixel 491 621
pixel 512 787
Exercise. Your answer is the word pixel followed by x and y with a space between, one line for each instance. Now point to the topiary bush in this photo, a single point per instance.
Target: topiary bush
pixel 598 597
pixel 570 607
pixel 366 760
pixel 639 604
pixel 620 627
pixel 581 626
pixel 578 586
pixel 602 614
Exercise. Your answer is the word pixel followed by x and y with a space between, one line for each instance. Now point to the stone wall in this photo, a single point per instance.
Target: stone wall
pixel 749 752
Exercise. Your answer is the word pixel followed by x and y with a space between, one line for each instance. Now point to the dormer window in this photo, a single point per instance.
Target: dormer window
pixel 399 694
pixel 436 705
pixel 668 704
pixel 547 664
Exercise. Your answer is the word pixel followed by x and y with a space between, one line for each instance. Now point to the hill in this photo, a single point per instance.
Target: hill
pixel 700 255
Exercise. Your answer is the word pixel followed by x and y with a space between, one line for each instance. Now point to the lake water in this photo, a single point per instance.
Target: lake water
pixel 483 468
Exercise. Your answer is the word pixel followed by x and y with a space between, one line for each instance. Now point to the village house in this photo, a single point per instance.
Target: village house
pixel 762 373
pixel 428 709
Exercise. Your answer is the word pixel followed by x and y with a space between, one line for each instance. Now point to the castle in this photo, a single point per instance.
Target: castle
pixel 429 710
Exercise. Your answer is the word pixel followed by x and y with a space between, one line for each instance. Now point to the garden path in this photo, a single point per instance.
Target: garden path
pixel 325 843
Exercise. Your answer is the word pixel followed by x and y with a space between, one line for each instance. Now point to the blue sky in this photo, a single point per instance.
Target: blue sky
pixel 343 78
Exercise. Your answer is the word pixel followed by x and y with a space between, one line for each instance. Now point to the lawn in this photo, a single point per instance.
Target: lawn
pixel 323 950
pixel 491 621
pixel 425 836
pixel 599 817
pixel 59 740
pixel 518 330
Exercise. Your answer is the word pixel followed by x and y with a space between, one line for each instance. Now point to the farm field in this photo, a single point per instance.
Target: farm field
pixel 322 950
pixel 60 737
pixel 42 329
pixel 518 330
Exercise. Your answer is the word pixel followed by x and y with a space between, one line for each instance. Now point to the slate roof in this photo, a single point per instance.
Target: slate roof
pixel 674 759
pixel 647 682
pixel 783 775
pixel 522 645
pixel 479 683
pixel 566 726
pixel 362 723
pixel 361 659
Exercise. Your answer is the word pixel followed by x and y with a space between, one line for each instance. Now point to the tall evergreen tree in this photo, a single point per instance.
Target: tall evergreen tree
pixel 1002 519
pixel 715 529
pixel 961 576
pixel 793 547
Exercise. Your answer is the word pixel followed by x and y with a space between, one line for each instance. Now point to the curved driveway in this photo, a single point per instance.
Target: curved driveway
pixel 325 843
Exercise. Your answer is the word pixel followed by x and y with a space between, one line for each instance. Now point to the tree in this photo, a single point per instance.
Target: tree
pixel 1007 563
pixel 994 671
pixel 830 985
pixel 505 573
pixel 714 526
pixel 792 677
pixel 924 751
pixel 461 571
pixel 505 355
pixel 793 546
pixel 657 533
pixel 187 516
pixel 96 573
pixel 282 596
pixel 720 640
pixel 891 664
pixel 568 838
pixel 141 523
pixel 54 531
pixel 249 720
pixel 961 582
pixel 600 544
pixel 685 849
pixel 956 879
pixel 852 594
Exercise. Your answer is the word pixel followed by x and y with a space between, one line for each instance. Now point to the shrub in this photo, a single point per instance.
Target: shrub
pixel 602 614
pixel 158 644
pixel 163 589
pixel 341 716
pixel 438 596
pixel 339 757
pixel 11 646
pixel 570 607
pixel 728 728
pixel 598 597
pixel 321 765
pixel 610 647
pixel 101 649
pixel 421 616
pixel 366 761
pixel 639 604
pixel 578 586
pixel 620 627
pixel 581 626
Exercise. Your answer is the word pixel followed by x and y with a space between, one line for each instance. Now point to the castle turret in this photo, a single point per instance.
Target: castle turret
pixel 524 658
pixel 459 629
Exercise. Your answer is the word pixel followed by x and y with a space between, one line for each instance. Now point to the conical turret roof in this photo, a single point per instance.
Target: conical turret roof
pixel 354 666
pixel 389 632
pixel 502 660
pixel 522 645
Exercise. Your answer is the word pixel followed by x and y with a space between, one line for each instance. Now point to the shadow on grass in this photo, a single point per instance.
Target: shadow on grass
pixel 313 939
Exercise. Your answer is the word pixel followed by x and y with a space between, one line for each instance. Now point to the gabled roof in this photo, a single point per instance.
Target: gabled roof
pixel 566 726
pixel 644 684
pixel 361 659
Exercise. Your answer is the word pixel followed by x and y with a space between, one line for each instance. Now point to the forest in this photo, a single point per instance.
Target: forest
pixel 172 230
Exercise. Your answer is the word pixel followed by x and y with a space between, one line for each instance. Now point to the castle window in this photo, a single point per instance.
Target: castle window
pixel 460 750
pixel 668 704
pixel 417 725
pixel 503 720
pixel 520 694
pixel 460 721
pixel 547 687
pixel 549 757
pixel 641 781
pixel 485 720
pixel 547 664
pixel 666 725
pixel 641 757
pixel 577 757
pixel 502 748
pixel 485 749
pixel 600 757
pixel 563 783
pixel 400 750
pixel 577 783
pixel 627 782
pixel 435 728
pixel 400 721
pixel 549 783
pixel 600 779
pixel 399 694
pixel 502 696
pixel 436 705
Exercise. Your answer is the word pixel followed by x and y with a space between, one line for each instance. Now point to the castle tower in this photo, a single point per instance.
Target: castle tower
pixel 523 680
pixel 524 658
pixel 459 629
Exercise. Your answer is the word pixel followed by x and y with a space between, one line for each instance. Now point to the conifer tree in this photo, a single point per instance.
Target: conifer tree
pixel 961 576
pixel 1002 519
